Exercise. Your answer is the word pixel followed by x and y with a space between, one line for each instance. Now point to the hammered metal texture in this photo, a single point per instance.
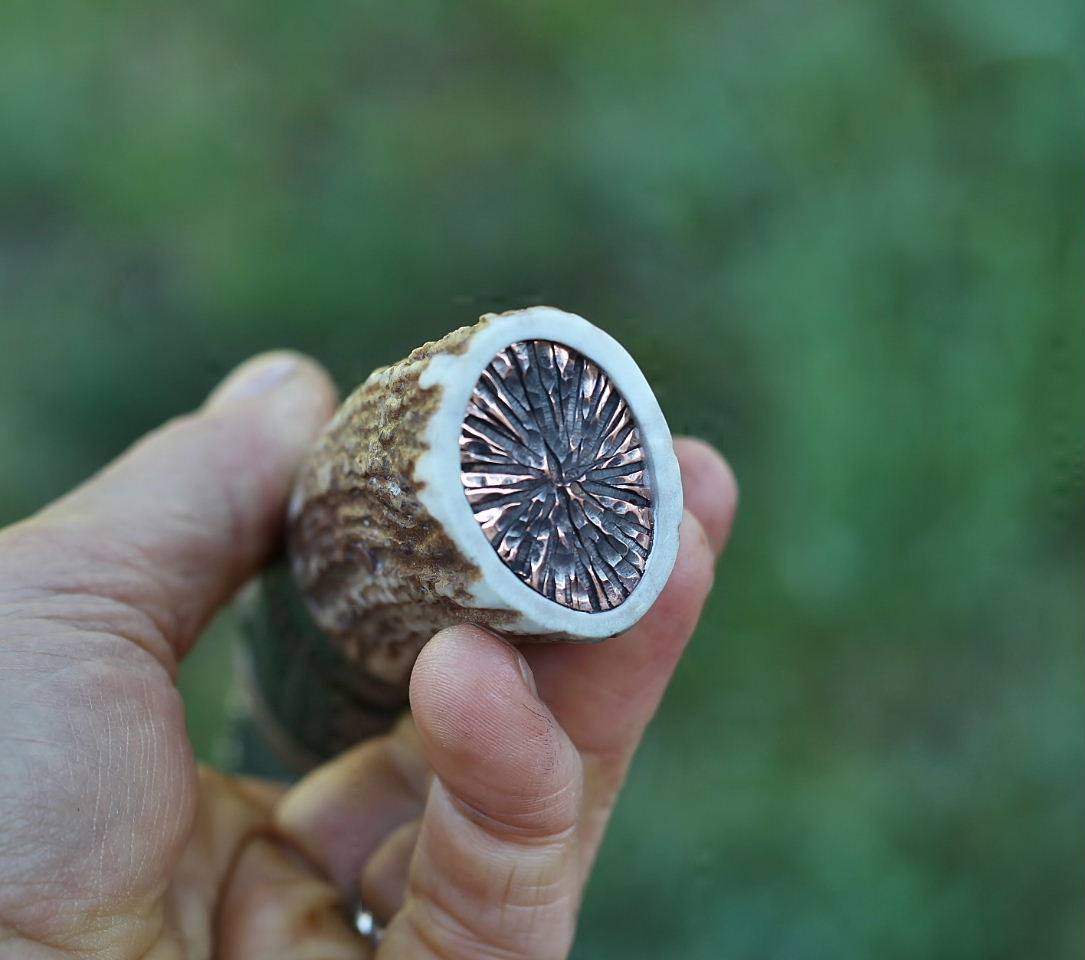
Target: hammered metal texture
pixel 553 468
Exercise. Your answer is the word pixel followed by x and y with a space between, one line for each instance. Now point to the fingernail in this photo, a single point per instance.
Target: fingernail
pixel 690 520
pixel 525 672
pixel 255 377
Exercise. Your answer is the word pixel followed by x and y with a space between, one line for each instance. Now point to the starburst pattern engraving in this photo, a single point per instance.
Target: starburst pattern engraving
pixel 554 471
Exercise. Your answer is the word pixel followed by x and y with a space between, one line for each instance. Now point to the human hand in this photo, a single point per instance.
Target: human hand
pixel 114 844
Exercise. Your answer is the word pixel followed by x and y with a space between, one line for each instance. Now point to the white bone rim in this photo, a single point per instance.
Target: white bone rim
pixel 438 470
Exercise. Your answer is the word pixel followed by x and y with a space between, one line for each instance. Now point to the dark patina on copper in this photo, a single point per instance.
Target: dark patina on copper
pixel 553 468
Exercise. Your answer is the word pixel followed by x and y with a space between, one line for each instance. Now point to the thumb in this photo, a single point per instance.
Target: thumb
pixel 494 869
pixel 153 544
pixel 95 763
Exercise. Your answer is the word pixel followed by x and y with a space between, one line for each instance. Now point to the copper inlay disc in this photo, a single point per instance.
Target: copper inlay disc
pixel 553 468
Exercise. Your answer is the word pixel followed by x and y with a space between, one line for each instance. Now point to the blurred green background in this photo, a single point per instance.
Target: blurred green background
pixel 844 241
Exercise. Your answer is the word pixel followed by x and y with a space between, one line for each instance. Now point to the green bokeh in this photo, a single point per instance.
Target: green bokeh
pixel 843 240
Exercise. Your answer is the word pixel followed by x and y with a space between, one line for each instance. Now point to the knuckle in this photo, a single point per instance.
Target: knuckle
pixel 499 931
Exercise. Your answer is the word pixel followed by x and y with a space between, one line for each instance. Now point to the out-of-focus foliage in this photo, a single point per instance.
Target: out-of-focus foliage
pixel 843 240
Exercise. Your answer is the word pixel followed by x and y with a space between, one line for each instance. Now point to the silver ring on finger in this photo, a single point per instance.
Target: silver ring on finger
pixel 367 925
